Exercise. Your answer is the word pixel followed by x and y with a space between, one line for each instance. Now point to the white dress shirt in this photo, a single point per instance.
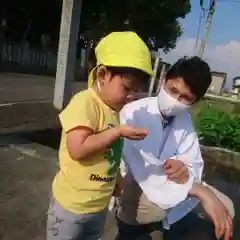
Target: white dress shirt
pixel 145 158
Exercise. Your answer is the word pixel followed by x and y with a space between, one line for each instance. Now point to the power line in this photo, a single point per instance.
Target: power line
pixel 207 28
pixel 228 1
pixel 199 50
pixel 202 16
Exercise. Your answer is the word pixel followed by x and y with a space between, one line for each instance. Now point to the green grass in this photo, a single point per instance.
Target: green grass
pixel 217 124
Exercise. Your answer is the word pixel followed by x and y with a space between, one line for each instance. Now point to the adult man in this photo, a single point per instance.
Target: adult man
pixel 165 169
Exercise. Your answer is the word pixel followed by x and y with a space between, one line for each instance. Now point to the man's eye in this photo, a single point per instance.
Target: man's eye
pixel 173 90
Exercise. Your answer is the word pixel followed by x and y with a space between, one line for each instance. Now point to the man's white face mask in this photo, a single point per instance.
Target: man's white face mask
pixel 168 105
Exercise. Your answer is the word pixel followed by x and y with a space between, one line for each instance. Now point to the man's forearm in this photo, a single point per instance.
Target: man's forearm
pixel 197 190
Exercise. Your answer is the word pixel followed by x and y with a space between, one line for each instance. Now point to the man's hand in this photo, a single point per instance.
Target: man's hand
pixel 218 214
pixel 176 171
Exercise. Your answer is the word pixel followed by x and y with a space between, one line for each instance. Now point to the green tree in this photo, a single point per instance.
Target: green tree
pixel 156 21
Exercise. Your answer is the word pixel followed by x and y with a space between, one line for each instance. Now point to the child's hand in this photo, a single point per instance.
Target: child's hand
pixel 176 171
pixel 132 133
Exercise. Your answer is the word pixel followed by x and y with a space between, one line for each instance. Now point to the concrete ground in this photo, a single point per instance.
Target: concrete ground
pixel 29 88
pixel 26 173
pixel 27 168
pixel 15 88
pixel 26 102
pixel 25 176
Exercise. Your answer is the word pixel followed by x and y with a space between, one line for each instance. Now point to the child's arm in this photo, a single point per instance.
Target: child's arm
pixel 80 122
pixel 82 142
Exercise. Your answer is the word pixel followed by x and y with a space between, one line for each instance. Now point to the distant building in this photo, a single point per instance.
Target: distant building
pixel 236 83
pixel 218 82
pixel 236 86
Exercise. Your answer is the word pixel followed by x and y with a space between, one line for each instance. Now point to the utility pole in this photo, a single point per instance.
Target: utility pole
pixel 161 78
pixel 153 79
pixel 207 27
pixel 70 21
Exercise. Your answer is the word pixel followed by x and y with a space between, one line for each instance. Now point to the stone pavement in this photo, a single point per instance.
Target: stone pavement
pixel 26 102
pixel 26 173
pixel 27 167
pixel 29 88
pixel 25 176
pixel 15 88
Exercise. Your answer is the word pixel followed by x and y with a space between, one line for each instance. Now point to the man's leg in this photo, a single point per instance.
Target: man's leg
pixel 130 232
pixel 137 216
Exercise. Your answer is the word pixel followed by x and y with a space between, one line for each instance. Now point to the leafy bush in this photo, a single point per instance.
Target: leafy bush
pixel 218 128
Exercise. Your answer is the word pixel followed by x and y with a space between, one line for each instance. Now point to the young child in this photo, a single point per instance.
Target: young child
pixel 92 139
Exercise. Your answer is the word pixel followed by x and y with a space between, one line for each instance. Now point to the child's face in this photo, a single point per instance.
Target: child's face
pixel 117 90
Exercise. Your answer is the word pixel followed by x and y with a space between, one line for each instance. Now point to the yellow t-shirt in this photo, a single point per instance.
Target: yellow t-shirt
pixel 86 186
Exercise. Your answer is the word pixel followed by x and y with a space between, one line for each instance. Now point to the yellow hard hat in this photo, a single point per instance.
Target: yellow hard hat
pixel 123 49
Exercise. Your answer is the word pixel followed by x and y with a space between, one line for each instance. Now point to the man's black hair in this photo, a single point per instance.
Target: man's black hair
pixel 195 73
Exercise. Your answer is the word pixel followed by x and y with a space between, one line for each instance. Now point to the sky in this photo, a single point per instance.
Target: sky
pixel 223 48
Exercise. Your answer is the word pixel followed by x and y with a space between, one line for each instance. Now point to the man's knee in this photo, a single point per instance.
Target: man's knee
pixel 138 217
pixel 135 208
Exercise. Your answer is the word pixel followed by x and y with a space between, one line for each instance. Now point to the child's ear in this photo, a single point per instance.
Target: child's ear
pixel 103 74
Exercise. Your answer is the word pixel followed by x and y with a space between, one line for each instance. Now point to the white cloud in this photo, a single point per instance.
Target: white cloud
pixel 222 58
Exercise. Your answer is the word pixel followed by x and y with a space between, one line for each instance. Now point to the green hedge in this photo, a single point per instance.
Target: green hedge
pixel 217 127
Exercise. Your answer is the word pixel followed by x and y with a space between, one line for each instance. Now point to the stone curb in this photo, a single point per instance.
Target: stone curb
pixel 221 156
pixel 27 116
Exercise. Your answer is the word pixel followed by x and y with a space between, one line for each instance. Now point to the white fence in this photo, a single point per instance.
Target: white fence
pixel 25 56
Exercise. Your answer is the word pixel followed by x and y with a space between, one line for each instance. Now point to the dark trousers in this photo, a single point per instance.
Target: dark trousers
pixel 134 232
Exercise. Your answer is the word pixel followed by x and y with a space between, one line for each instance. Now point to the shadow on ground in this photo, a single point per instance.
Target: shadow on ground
pixel 28 164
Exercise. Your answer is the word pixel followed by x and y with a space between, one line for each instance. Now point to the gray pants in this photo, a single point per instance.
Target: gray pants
pixel 64 225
